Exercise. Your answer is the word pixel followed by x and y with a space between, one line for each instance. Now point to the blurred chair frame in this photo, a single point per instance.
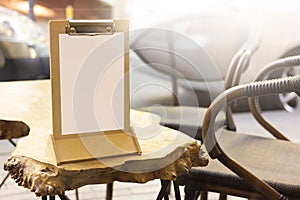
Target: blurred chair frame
pixel 239 63
pixel 172 115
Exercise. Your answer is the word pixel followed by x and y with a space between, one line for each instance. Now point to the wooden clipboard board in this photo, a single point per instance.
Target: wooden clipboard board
pixel 90 144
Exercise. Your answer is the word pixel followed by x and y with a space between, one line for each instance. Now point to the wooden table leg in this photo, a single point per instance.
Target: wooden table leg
pixel 2 183
pixel 176 191
pixel 203 195
pixel 12 142
pixel 223 196
pixel 77 194
pixel 109 191
pixel 163 190
pixel 63 197
pixel 5 178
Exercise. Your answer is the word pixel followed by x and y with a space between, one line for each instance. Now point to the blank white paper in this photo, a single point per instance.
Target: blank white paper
pixel 92 83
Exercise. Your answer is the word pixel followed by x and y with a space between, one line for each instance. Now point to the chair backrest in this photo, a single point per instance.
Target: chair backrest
pixel 239 63
pixel 205 42
pixel 292 61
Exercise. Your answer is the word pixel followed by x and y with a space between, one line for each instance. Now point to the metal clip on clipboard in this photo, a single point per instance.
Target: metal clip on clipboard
pixel 90 28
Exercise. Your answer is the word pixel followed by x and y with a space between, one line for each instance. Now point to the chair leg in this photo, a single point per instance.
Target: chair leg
pixel 163 193
pixel 223 196
pixel 109 191
pixel 44 197
pixel 175 92
pixel 176 191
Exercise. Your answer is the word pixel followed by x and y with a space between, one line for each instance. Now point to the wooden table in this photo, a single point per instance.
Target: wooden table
pixel 166 155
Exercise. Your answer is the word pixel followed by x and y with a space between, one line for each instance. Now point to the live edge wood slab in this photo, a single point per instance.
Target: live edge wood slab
pixel 166 155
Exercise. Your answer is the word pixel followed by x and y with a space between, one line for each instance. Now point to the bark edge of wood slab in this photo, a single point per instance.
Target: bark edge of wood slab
pixel 46 179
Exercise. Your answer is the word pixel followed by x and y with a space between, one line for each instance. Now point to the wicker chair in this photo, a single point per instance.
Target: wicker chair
pixel 274 161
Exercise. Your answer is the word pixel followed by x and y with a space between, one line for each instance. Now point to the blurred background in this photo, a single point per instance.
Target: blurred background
pixel 220 27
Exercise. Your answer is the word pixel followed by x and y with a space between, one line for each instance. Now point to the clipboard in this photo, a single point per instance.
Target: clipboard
pixel 78 110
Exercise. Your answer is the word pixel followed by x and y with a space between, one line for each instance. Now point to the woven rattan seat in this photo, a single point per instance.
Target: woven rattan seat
pixel 275 161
